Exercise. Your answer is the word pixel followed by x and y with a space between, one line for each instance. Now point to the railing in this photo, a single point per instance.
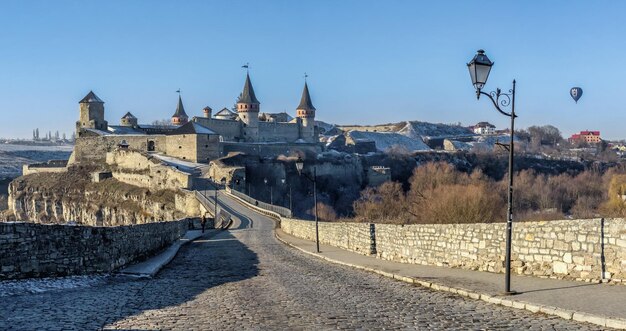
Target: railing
pixel 209 205
pixel 282 211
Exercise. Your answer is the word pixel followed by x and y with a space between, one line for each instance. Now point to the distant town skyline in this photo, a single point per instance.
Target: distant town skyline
pixel 368 62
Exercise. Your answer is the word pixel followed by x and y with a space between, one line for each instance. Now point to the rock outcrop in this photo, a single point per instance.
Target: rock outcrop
pixel 72 197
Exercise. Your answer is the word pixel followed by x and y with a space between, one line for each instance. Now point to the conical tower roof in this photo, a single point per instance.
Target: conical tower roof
pixel 91 98
pixel 180 110
pixel 305 101
pixel 129 115
pixel 247 96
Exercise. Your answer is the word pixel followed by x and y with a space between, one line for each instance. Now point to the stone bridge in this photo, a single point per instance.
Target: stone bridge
pixel 244 279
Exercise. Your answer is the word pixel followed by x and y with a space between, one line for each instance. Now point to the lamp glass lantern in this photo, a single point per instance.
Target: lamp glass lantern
pixel 479 68
pixel 299 164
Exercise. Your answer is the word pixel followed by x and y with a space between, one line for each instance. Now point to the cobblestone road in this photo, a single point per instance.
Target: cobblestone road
pixel 245 279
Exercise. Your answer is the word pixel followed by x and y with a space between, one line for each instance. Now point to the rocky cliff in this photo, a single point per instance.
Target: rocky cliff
pixel 72 197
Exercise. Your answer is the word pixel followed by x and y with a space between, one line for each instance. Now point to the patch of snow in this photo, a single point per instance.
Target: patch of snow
pixel 386 140
pixel 182 165
pixel 416 129
pixel 40 285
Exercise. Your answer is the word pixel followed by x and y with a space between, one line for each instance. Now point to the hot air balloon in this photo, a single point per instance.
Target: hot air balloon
pixel 576 93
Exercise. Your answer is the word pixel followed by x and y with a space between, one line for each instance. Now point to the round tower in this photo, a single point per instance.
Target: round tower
pixel 248 108
pixel 207 112
pixel 306 113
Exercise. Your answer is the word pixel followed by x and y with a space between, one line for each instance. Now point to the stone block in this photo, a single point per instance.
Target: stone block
pixel 559 267
pixel 567 258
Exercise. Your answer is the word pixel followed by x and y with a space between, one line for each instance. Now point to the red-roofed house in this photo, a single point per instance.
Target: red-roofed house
pixel 592 137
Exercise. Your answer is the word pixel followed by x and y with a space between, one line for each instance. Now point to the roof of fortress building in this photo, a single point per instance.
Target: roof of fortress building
pixel 91 98
pixel 305 101
pixel 247 96
pixel 180 110
pixel 192 128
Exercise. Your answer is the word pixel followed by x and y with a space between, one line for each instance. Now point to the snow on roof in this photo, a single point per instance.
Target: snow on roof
pixel 200 129
pixel 224 112
pixel 386 140
pixel 416 129
pixel 192 128
pixel 118 129
pixel 98 132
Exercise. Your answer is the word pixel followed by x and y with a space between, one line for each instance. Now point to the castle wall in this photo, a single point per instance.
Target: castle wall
pixel 268 149
pixel 278 132
pixel 230 130
pixel 142 170
pixel 208 148
pixel 94 148
pixel 182 146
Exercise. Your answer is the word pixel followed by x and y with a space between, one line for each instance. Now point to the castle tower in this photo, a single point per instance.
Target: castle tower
pixel 180 117
pixel 91 116
pixel 207 112
pixel 306 113
pixel 248 108
pixel 129 120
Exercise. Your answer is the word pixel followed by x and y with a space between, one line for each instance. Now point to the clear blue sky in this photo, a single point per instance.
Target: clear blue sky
pixel 368 61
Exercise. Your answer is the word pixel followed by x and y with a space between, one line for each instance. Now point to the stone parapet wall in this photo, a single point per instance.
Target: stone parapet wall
pixel 36 250
pixel 34 169
pixel 350 236
pixel 567 249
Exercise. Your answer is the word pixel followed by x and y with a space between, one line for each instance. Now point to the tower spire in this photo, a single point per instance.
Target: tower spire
pixel 180 116
pixel 305 100
pixel 247 96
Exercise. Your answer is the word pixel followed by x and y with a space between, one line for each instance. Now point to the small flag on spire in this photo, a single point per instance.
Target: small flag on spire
pixel 246 65
pixel 178 91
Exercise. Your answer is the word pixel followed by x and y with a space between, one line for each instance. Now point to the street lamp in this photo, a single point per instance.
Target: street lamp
pixel 285 181
pixel 479 68
pixel 271 191
pixel 299 167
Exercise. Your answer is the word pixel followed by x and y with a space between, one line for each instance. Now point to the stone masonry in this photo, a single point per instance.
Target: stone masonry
pixel 36 250
pixel 588 250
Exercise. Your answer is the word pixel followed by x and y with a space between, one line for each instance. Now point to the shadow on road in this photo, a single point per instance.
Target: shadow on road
pixel 199 266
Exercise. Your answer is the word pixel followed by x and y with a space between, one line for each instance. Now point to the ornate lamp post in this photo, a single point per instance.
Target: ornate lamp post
pixel 299 167
pixel 479 68
pixel 285 181
pixel 271 191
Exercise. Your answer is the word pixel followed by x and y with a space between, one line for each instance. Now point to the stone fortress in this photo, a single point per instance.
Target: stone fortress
pixel 201 138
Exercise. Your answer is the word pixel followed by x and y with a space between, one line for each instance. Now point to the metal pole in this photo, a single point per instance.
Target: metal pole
pixel 215 210
pixel 317 233
pixel 290 204
pixel 509 221
pixel 271 195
